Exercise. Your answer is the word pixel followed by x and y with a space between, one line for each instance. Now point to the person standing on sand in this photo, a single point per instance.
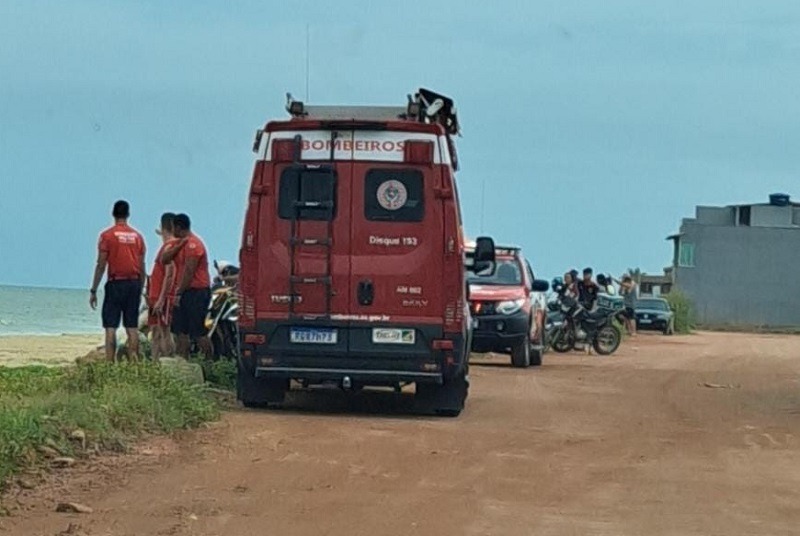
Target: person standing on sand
pixel 160 293
pixel 120 253
pixel 193 293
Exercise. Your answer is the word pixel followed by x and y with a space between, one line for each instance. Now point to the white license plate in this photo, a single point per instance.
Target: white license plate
pixel 313 336
pixel 393 336
pixel 645 321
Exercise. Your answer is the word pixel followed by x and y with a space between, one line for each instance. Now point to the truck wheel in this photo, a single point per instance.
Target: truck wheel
pixel 259 392
pixel 521 353
pixel 447 399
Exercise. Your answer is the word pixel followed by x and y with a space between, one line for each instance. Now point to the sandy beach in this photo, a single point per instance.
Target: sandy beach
pixel 17 350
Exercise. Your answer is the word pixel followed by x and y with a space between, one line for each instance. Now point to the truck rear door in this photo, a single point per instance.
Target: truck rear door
pixel 307 242
pixel 397 248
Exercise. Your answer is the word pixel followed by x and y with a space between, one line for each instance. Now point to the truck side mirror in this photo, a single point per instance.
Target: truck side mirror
pixel 540 285
pixel 484 259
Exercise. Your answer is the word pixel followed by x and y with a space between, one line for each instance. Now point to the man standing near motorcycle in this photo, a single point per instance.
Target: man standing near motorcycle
pixel 160 293
pixel 588 290
pixel 121 251
pixel 192 294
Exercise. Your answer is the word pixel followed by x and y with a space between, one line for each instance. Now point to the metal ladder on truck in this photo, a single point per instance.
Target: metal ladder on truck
pixel 297 241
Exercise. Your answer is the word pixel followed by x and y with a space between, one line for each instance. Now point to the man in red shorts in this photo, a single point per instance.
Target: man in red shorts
pixel 160 293
pixel 121 250
pixel 193 293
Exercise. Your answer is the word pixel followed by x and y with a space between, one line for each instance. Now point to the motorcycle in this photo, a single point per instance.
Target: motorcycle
pixel 223 312
pixel 553 322
pixel 582 327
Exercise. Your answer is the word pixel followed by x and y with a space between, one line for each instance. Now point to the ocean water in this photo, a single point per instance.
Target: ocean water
pixel 47 311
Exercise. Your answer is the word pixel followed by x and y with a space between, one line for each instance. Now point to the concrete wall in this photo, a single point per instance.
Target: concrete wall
pixel 770 216
pixel 745 276
pixel 715 215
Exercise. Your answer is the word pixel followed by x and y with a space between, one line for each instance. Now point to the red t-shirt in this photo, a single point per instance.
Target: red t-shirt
pixel 193 248
pixel 125 248
pixel 158 275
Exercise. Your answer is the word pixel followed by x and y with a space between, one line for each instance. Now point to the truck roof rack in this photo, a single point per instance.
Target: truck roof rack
pixel 425 106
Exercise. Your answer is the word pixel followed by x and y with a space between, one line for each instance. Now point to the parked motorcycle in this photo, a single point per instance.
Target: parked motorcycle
pixel 553 323
pixel 223 312
pixel 580 326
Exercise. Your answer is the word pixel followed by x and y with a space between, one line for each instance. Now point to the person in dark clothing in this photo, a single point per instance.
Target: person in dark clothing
pixel 588 290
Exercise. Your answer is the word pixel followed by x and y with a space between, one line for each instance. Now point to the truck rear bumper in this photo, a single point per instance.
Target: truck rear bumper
pixel 353 355
pixel 355 375
pixel 499 332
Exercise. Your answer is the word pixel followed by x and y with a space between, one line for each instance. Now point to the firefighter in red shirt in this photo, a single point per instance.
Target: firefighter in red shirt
pixel 121 250
pixel 193 292
pixel 160 288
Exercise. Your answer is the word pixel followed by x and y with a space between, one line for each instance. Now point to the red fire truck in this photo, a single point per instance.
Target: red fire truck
pixel 352 257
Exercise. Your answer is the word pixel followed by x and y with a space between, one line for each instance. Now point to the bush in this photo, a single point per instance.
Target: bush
pixel 684 311
pixel 220 374
pixel 111 403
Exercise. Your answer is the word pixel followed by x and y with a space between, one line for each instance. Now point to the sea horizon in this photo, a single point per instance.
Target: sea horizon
pixel 46 311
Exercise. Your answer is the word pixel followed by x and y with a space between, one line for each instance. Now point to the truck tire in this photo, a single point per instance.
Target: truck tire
pixel 521 353
pixel 446 400
pixel 256 392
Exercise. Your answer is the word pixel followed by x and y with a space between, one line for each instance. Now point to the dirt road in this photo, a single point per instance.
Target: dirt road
pixel 682 435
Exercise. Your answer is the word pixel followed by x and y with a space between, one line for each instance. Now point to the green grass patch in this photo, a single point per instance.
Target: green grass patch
pixel 683 308
pixel 220 374
pixel 111 403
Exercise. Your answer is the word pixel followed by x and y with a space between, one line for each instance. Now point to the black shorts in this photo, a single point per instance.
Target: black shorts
pixel 190 317
pixel 121 301
pixel 629 313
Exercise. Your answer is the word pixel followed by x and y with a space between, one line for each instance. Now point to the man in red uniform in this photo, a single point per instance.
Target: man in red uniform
pixel 192 294
pixel 160 293
pixel 121 249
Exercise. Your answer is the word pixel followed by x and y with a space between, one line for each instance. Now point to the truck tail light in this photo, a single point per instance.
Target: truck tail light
pixel 283 150
pixel 442 344
pixel 255 338
pixel 418 152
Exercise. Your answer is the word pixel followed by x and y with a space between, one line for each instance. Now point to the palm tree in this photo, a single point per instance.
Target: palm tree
pixel 636 274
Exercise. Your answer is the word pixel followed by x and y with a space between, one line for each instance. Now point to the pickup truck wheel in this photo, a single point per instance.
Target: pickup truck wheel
pixel 521 353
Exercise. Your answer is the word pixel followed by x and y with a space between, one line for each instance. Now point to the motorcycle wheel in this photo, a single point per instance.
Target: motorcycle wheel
pixel 607 340
pixel 226 339
pixel 563 341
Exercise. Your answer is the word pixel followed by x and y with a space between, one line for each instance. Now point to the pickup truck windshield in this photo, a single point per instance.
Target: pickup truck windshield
pixel 507 272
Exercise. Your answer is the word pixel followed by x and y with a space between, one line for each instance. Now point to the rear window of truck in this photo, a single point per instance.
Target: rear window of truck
pixel 313 189
pixel 394 195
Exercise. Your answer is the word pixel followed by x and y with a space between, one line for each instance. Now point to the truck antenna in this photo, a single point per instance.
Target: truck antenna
pixel 483 201
pixel 308 61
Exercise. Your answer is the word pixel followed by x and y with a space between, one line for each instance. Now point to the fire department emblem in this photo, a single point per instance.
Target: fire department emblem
pixel 392 194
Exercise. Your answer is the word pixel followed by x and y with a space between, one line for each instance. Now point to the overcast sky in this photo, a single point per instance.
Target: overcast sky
pixel 596 126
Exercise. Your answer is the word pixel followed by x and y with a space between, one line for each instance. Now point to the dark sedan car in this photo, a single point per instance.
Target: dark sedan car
pixel 654 314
